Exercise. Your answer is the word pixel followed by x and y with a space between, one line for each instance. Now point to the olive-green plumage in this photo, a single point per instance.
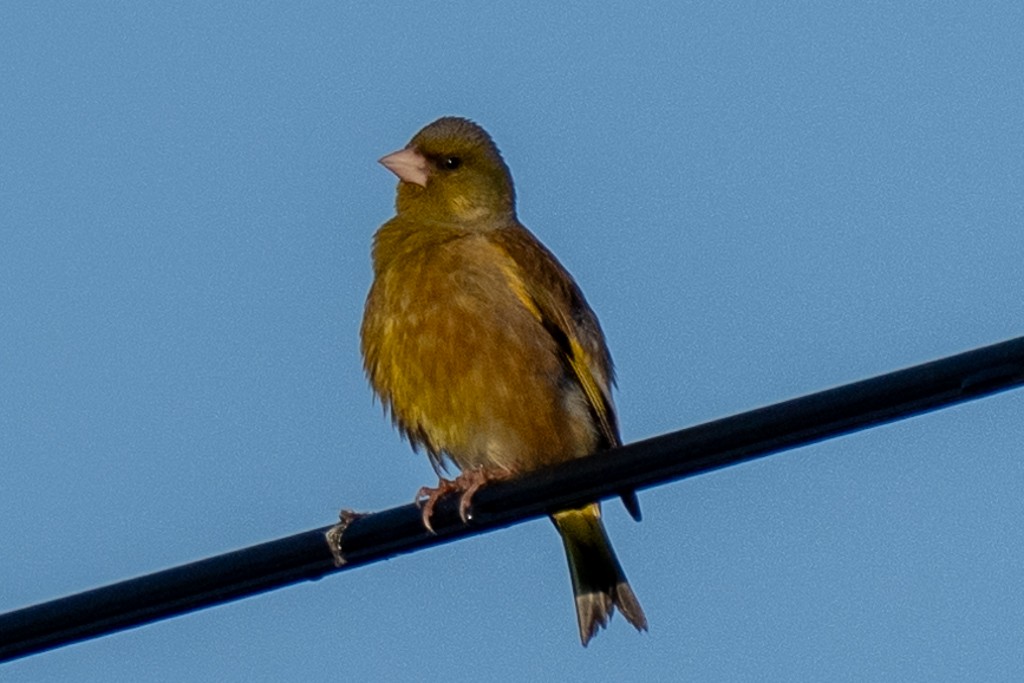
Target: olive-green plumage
pixel 482 346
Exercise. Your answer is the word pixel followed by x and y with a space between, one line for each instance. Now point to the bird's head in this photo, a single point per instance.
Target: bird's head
pixel 452 171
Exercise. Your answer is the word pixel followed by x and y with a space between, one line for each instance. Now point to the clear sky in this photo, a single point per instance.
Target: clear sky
pixel 760 201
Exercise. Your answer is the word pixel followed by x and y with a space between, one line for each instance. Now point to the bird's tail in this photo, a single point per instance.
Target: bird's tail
pixel 598 582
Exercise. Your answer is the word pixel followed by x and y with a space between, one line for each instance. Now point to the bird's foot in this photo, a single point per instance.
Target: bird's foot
pixel 468 483
pixel 427 497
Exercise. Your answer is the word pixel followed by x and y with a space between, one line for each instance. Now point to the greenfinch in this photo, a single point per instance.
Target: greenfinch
pixel 483 349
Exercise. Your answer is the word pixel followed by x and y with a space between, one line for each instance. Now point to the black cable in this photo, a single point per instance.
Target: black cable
pixel 368 538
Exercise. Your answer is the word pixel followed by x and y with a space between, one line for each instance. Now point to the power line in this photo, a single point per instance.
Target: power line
pixel 372 537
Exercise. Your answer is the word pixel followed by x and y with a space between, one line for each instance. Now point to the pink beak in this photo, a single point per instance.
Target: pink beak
pixel 409 165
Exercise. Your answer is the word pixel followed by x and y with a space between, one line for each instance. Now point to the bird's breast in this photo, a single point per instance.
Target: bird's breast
pixel 465 366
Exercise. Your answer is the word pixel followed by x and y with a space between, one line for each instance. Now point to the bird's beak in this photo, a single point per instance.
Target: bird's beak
pixel 409 165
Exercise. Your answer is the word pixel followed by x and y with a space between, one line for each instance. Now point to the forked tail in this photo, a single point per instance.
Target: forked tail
pixel 598 582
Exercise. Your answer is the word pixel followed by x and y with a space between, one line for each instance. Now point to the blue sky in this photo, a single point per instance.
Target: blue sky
pixel 759 202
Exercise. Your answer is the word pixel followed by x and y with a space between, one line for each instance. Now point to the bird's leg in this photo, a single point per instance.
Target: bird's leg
pixel 427 497
pixel 468 483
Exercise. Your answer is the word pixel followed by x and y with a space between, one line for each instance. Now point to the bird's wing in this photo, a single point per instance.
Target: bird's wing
pixel 547 290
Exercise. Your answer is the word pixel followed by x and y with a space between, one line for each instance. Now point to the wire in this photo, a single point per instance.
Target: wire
pixel 368 538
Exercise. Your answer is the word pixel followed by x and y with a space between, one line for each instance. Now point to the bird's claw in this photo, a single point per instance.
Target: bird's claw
pixel 427 497
pixel 468 483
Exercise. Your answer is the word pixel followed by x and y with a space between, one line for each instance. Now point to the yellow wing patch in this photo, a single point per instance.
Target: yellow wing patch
pixel 518 288
pixel 576 355
pixel 580 363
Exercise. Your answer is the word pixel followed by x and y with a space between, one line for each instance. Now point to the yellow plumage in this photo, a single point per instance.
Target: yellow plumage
pixel 482 346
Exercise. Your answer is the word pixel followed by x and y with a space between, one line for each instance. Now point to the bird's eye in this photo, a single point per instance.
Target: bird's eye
pixel 451 163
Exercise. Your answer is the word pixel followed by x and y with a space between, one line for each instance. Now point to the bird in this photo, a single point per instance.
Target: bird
pixel 484 351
